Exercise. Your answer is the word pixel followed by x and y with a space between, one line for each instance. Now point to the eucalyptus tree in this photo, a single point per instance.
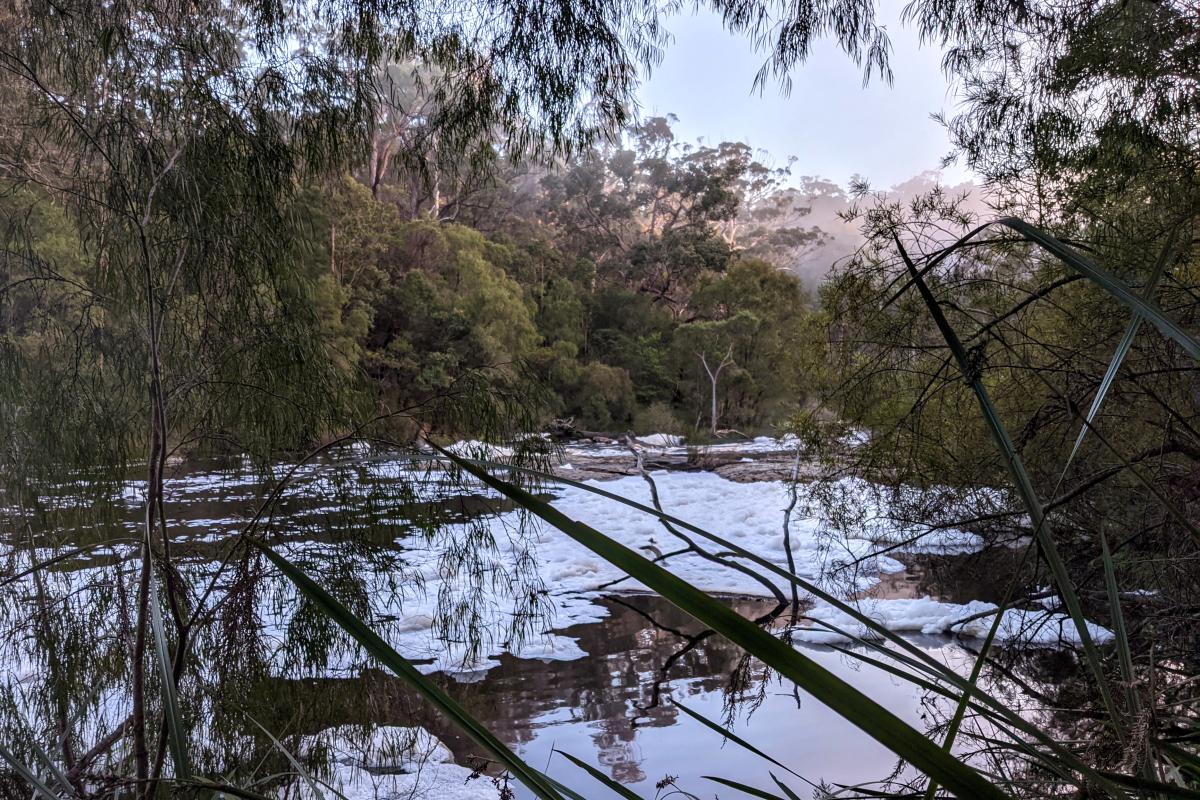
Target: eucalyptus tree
pixel 648 214
pixel 408 165
pixel 774 340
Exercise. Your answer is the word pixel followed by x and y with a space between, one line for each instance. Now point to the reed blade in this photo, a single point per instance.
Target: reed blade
pixel 870 717
pixel 386 655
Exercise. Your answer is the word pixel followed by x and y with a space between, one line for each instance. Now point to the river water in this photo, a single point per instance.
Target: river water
pixel 600 681
pixel 614 709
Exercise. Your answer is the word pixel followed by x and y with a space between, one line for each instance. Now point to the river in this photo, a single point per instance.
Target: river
pixel 595 665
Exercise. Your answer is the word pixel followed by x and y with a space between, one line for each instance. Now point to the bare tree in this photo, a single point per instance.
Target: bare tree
pixel 713 376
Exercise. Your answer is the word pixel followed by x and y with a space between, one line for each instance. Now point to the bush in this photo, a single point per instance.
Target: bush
pixel 657 418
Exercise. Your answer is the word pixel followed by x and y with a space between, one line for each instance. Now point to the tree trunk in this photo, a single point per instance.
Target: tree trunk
pixel 713 377
pixel 714 403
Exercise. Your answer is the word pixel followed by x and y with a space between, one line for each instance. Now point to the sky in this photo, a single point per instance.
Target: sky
pixel 834 127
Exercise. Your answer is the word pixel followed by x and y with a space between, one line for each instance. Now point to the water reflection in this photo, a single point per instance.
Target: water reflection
pixel 613 709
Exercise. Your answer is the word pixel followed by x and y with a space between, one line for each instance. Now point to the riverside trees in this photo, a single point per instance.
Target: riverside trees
pixel 592 280
pixel 186 270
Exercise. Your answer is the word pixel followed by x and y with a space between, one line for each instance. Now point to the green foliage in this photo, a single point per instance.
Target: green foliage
pixel 445 306
pixel 560 313
pixel 593 289
pixel 1025 328
pixel 658 418
pixel 763 314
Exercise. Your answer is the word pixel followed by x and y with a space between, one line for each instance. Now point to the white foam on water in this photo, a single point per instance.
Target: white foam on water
pixel 1031 627
pixel 392 762
pixel 567 579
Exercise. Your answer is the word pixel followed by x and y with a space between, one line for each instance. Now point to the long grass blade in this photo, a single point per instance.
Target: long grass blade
pixel 783 787
pixel 172 719
pixel 1149 785
pixel 1114 365
pixel 296 765
pixel 1126 464
pixel 565 791
pixel 1108 282
pixel 1044 534
pixel 1147 484
pixel 1061 764
pixel 616 787
pixel 381 650
pixel 60 777
pixel 976 670
pixel 1124 655
pixel 741 787
pixel 28 775
pixel 218 789
pixel 870 717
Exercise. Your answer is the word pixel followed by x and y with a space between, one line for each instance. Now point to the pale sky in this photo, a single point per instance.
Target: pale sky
pixel 834 126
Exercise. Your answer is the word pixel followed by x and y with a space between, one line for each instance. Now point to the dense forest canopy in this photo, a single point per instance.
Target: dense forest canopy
pixel 245 227
pixel 602 278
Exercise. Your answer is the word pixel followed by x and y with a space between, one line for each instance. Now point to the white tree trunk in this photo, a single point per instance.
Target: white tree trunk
pixel 713 376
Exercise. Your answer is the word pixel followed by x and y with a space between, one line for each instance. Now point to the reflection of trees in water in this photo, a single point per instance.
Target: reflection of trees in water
pixel 615 690
pixel 643 650
pixel 65 639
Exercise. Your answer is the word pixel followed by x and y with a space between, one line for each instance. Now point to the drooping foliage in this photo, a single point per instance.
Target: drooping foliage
pixel 249 228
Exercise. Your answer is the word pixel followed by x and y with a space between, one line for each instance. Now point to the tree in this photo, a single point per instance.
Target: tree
pixel 655 215
pixel 185 312
pixel 446 307
pixel 766 317
pixel 711 343
pixel 714 375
